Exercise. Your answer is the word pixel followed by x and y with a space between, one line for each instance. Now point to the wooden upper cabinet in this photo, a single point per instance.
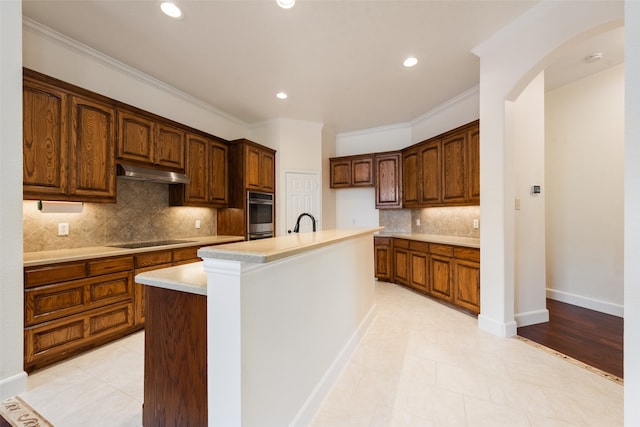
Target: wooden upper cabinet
pixel 92 159
pixel 252 165
pixel 473 172
pixel 144 140
pixel 411 176
pixel 45 147
pixel 352 171
pixel 206 166
pixel 259 169
pixel 388 173
pixel 268 171
pixel 430 168
pixel 454 168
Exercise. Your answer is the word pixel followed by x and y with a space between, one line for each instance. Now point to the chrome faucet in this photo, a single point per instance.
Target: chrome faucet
pixel 296 229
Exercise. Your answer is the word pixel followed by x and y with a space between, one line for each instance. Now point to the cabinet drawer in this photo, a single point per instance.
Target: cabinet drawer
pixel 419 246
pixel 382 241
pixel 52 273
pixel 109 265
pixel 470 254
pixel 51 302
pixel 439 249
pixel 153 258
pixel 186 254
pixel 401 243
pixel 58 339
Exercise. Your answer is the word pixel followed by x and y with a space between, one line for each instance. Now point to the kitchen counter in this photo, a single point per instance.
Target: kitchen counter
pixel 63 255
pixel 269 250
pixel 189 278
pixel 470 242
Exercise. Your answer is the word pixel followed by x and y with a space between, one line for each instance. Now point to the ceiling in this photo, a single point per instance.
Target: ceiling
pixel 340 62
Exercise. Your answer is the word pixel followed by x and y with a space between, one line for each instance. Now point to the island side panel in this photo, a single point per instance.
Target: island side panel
pixel 175 366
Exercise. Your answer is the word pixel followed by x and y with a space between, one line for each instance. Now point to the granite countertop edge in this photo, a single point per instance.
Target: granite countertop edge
pixel 32 259
pixel 469 242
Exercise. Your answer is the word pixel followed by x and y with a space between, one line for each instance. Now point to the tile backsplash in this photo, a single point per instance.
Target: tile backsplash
pixel 450 221
pixel 141 213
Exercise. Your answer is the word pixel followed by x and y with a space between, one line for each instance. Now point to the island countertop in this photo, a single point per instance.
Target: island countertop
pixel 269 250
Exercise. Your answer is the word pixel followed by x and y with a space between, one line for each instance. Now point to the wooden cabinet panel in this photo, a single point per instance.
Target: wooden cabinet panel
pixel 109 265
pixel 430 168
pixel 92 172
pixel 52 273
pixel 419 270
pixel 252 158
pixel 438 249
pixel 382 260
pixel 401 266
pixel 136 137
pixel 218 174
pixel 467 285
pixel 410 178
pixel 473 173
pixel 148 259
pixel 196 169
pixel 268 172
pixel 45 147
pixel 169 149
pixel 441 283
pixel 388 173
pixel 470 254
pixel 340 173
pixel 186 254
pixel 351 171
pixel 454 168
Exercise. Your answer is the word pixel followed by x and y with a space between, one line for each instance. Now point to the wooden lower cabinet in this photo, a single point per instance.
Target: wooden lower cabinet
pixel 446 272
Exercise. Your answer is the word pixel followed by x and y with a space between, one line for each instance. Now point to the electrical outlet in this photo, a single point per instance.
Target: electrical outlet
pixel 476 223
pixel 63 229
pixel 197 223
pixel 418 221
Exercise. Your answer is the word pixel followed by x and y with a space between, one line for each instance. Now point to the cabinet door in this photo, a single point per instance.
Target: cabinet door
pixel 267 170
pixel 362 172
pixel 136 136
pixel 45 149
pixel 410 178
pixel 430 182
pixel 401 265
pixel 92 172
pixel 388 171
pixel 440 285
pixel 340 173
pixel 382 259
pixel 218 174
pixel 169 149
pixel 473 173
pixel 196 170
pixel 252 159
pixel 419 269
pixel 454 168
pixel 467 285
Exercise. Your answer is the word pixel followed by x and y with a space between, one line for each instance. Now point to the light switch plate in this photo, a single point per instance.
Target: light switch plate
pixel 197 223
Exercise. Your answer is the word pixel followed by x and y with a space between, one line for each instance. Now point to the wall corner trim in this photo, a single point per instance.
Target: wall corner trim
pixel 504 330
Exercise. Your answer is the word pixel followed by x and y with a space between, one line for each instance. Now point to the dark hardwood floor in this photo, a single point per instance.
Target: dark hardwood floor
pixel 589 336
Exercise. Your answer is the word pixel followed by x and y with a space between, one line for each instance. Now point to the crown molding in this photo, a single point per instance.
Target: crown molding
pixel 65 41
pixel 374 130
pixel 446 105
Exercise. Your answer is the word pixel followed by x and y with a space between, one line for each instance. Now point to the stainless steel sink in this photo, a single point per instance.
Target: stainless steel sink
pixel 149 244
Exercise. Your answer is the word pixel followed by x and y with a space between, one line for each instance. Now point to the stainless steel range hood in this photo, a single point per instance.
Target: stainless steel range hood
pixel 151 175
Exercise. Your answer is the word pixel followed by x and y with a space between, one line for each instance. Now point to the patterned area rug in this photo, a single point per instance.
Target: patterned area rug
pixel 19 414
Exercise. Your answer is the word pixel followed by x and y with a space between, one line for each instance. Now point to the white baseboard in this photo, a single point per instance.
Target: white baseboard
pixel 503 330
pixel 13 385
pixel 532 317
pixel 586 302
pixel 312 404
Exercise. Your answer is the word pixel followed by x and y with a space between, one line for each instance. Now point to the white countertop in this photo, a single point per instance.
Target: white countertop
pixel 63 255
pixel 189 278
pixel 268 250
pixel 470 242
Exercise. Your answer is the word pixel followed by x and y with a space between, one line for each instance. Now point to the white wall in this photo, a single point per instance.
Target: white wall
pixel 328 200
pixel 58 56
pixel 631 215
pixel 13 379
pixel 528 132
pixel 585 192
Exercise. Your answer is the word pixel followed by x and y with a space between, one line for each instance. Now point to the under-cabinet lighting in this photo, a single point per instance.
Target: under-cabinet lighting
pixel 59 207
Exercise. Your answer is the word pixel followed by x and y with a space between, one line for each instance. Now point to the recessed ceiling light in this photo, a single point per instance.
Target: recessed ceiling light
pixel 410 61
pixel 281 95
pixel 170 9
pixel 286 4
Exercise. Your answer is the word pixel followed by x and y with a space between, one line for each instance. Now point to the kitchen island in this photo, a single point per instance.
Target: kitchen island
pixel 283 316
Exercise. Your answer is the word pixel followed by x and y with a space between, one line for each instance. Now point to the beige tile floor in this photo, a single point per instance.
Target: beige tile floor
pixel 420 364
